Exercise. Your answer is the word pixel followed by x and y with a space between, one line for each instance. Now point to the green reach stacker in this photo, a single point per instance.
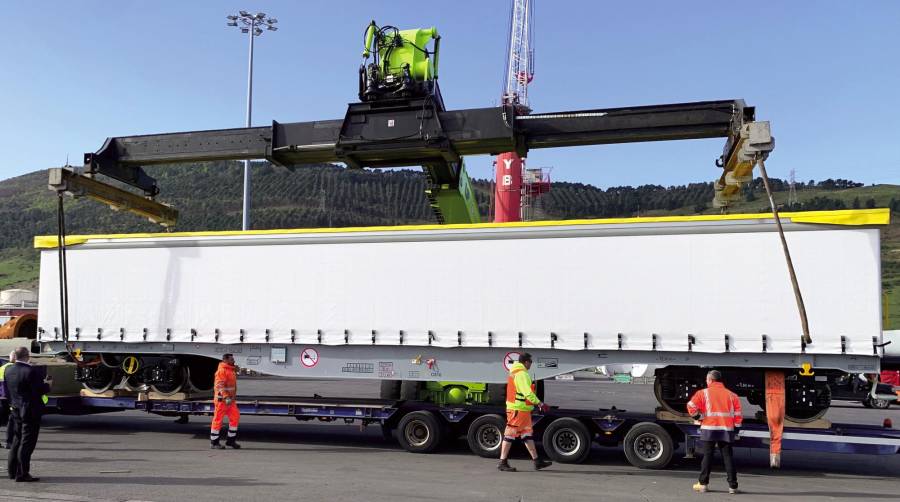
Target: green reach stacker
pixel 401 120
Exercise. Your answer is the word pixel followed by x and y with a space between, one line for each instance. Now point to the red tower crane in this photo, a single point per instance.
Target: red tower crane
pixel 511 188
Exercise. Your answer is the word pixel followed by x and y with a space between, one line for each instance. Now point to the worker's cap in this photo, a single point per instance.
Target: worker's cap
pixel 525 357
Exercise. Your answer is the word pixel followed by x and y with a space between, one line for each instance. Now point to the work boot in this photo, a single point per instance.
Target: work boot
pixel 505 467
pixel 540 463
pixel 699 488
pixel 732 491
pixel 775 460
pixel 216 445
pixel 232 443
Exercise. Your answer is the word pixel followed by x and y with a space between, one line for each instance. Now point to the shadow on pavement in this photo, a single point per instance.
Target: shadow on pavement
pixel 155 481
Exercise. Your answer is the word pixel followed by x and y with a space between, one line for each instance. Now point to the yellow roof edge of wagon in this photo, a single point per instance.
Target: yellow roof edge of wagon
pixel 849 217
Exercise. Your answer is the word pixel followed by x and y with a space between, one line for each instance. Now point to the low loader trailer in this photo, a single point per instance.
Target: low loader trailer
pixel 649 441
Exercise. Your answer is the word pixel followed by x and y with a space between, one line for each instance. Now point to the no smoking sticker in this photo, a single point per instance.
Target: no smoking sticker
pixel 510 358
pixel 309 357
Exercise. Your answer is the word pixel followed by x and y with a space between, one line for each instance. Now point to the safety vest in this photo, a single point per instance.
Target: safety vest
pixel 520 394
pixel 226 381
pixel 2 373
pixel 719 408
pixel 3 370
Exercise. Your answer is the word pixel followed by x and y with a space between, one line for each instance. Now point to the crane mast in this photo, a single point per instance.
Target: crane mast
pixel 520 56
pixel 509 191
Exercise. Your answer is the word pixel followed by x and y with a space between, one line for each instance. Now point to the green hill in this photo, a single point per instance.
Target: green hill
pixel 208 197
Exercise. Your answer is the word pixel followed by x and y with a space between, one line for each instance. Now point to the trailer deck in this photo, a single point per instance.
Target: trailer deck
pixel 648 441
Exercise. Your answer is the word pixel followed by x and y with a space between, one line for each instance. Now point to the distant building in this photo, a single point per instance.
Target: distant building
pixel 16 302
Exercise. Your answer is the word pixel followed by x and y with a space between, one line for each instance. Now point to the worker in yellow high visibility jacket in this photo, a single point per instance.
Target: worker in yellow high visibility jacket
pixel 520 401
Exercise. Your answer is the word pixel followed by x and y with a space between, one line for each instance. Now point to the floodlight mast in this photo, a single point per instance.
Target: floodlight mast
pixel 251 24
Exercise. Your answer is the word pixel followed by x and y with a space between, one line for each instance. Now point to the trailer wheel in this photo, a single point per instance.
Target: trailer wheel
pixel 419 432
pixel 485 435
pixel 567 440
pixel 648 446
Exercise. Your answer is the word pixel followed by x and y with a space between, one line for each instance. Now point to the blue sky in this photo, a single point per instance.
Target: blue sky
pixel 826 73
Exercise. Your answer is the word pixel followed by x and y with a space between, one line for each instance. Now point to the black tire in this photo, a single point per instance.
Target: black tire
pixel 878 404
pixel 567 440
pixel 409 390
pixel 496 394
pixel 485 435
pixel 390 389
pixel 648 446
pixel 419 432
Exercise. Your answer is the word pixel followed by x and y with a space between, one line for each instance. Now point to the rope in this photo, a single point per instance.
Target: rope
pixel 801 308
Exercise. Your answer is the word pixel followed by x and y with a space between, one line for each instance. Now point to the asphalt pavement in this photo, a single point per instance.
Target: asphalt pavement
pixel 133 456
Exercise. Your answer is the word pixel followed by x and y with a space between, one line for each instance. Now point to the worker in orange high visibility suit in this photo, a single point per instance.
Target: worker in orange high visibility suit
pixel 520 401
pixel 225 389
pixel 775 415
pixel 719 412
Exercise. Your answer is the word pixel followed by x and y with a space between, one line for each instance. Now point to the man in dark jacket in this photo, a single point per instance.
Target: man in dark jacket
pixel 25 386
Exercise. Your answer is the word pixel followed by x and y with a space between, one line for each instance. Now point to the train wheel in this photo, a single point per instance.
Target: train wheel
pixel 111 360
pixel 674 405
pixel 803 412
pixel 98 378
pixel 171 382
pixel 878 404
pixel 803 416
pixel 201 373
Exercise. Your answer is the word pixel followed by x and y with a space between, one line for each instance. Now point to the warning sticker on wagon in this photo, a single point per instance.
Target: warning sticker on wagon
pixel 309 357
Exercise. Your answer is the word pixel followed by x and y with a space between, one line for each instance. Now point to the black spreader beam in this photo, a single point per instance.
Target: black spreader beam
pixel 394 138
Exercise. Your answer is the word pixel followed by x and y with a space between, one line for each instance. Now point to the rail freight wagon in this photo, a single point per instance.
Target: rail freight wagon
pixel 444 303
